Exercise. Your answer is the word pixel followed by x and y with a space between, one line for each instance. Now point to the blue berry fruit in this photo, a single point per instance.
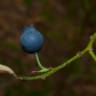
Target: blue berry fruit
pixel 31 40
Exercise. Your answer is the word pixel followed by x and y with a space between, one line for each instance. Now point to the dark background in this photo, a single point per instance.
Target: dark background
pixel 66 26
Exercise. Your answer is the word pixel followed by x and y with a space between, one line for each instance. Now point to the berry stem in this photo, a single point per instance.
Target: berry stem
pixel 43 69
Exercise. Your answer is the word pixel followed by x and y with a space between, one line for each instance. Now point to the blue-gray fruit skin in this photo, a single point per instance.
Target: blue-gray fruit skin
pixel 31 40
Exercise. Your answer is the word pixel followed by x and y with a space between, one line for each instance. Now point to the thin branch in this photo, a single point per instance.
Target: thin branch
pixel 69 61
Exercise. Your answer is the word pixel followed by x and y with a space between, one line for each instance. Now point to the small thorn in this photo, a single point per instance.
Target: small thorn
pixel 33 72
pixel 41 71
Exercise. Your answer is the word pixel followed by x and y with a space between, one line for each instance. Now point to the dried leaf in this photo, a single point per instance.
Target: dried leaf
pixel 6 69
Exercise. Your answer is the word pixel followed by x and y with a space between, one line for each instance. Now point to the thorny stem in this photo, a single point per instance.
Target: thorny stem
pixel 59 67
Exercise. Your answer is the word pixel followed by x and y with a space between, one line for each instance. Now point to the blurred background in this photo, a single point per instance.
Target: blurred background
pixel 66 26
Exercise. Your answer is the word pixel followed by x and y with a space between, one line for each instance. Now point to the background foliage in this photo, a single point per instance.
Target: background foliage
pixel 66 25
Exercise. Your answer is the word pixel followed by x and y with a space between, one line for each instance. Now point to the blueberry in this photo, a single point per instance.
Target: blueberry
pixel 31 40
